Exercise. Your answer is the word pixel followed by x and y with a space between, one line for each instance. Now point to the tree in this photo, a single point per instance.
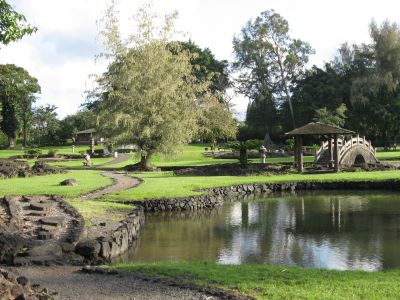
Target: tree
pixel 17 90
pixel 9 122
pixel 320 89
pixel 243 147
pixel 84 119
pixel 268 59
pixel 375 90
pixel 13 25
pixel 216 121
pixel 336 118
pixel 148 94
pixel 45 125
pixel 207 68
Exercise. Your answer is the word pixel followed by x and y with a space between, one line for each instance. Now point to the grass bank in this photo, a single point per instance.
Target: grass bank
pixel 165 184
pixel 94 212
pixel 276 282
pixel 50 184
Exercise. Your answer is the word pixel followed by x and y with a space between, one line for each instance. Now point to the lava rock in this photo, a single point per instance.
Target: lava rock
pixel 69 182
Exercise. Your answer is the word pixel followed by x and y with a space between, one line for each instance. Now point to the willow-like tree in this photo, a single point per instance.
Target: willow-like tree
pixel 147 97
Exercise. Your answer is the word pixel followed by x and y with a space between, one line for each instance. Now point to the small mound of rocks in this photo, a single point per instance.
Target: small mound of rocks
pixel 41 168
pixel 13 168
pixel 14 287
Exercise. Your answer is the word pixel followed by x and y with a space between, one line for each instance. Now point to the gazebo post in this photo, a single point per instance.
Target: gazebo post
pixel 296 159
pixel 336 153
pixel 330 151
pixel 299 151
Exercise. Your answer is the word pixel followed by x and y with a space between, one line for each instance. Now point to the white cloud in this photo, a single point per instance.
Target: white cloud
pixel 61 54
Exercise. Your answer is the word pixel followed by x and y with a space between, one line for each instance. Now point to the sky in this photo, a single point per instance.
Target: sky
pixel 61 54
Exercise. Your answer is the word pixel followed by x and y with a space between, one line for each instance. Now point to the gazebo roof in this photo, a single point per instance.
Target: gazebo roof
pixel 317 128
pixel 91 130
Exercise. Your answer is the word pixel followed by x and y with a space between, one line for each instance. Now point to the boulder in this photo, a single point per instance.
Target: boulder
pixel 69 182
pixel 89 249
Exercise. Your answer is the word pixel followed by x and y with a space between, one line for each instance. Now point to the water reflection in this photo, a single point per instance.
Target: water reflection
pixel 339 230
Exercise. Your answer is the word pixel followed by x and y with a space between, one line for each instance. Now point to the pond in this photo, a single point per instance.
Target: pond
pixel 344 230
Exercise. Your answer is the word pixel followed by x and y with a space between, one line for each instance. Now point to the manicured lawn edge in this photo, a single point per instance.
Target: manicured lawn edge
pixel 277 282
pixel 163 185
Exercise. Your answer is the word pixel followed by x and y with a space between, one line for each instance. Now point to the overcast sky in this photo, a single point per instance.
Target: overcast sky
pixel 61 54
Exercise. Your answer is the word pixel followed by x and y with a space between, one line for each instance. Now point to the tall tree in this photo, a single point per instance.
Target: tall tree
pixel 17 90
pixel 13 25
pixel 207 68
pixel 148 95
pixel 216 121
pixel 84 119
pixel 375 90
pixel 268 59
pixel 45 127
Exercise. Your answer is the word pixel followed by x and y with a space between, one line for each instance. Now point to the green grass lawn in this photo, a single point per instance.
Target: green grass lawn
pixel 95 211
pixel 276 282
pixel 49 184
pixel 165 184
pixel 78 163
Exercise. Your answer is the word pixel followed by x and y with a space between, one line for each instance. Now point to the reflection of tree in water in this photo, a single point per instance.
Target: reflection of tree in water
pixel 314 229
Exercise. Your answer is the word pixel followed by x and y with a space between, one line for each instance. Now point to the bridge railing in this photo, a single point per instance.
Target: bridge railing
pixel 345 145
pixel 325 146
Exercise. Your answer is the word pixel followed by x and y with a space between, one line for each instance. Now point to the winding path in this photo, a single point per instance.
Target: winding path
pixel 122 157
pixel 121 182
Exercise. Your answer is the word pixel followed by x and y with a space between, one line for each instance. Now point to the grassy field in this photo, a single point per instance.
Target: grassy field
pixel 50 184
pixel 276 282
pixel 165 184
pixel 78 163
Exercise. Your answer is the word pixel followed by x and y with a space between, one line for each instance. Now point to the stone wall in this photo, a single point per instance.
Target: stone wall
pixel 217 196
pixel 104 248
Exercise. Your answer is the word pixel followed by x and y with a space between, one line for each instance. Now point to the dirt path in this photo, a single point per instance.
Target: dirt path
pixel 121 182
pixel 68 283
pixel 122 157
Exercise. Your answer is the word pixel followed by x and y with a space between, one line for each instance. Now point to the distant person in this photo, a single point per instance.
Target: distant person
pixel 116 154
pixel 87 161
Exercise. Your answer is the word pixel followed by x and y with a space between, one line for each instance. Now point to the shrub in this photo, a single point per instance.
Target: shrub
pixel 52 152
pixel 33 152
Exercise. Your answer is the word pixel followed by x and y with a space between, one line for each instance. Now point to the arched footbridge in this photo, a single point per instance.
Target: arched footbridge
pixel 354 151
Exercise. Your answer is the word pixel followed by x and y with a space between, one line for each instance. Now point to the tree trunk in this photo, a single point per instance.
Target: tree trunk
pixel 11 142
pixel 24 125
pixel 145 162
pixel 243 157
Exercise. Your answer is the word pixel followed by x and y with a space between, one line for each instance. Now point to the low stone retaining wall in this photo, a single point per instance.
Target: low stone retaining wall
pixel 217 196
pixel 104 248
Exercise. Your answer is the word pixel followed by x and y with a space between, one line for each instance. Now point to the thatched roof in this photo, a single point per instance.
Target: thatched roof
pixel 318 128
pixel 91 130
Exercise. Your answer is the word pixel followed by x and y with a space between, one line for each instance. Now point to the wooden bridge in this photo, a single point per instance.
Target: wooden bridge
pixel 354 151
pixel 336 152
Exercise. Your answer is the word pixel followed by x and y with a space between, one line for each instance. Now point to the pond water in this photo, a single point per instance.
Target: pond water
pixel 346 230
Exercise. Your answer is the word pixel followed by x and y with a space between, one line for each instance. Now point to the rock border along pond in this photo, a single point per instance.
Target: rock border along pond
pixel 102 249
pixel 217 196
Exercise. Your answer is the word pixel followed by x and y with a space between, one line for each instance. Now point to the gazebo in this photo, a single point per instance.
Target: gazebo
pixel 317 128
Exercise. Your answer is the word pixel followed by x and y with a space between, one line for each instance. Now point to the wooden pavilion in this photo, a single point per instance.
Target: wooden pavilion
pixel 317 128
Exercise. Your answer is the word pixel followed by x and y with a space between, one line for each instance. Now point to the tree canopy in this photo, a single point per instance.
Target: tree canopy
pixel 269 60
pixel 13 25
pixel 148 96
pixel 17 90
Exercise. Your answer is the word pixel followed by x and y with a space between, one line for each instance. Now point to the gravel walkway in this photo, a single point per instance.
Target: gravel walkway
pixel 122 157
pixel 68 283
pixel 121 182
